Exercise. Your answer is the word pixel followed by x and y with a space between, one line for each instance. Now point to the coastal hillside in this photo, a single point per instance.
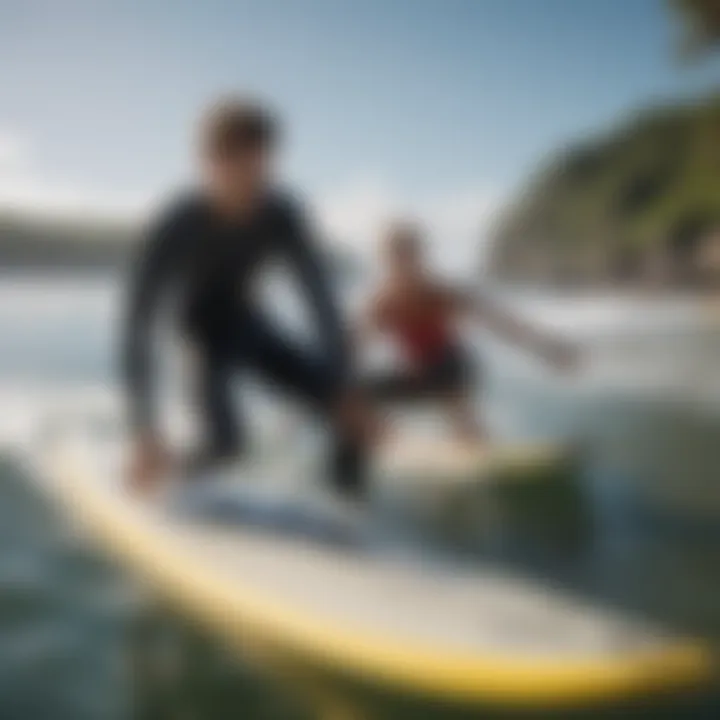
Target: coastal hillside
pixel 639 205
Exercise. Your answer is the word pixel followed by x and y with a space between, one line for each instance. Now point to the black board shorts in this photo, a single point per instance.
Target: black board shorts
pixel 452 374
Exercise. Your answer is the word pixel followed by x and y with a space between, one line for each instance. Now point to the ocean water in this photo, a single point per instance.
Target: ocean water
pixel 79 639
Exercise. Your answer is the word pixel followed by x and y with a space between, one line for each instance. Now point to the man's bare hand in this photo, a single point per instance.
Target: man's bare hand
pixel 149 461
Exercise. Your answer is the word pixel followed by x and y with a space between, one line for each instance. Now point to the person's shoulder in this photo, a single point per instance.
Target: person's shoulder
pixel 439 291
pixel 453 296
pixel 179 209
pixel 439 286
pixel 287 205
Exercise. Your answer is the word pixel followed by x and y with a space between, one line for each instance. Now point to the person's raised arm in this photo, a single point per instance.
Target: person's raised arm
pixel 368 324
pixel 553 349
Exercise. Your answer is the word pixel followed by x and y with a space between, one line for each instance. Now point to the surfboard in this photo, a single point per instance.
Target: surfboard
pixel 417 458
pixel 449 467
pixel 525 485
pixel 471 638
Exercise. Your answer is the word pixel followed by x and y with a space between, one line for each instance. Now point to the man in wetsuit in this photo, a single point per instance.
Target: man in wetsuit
pixel 421 315
pixel 208 248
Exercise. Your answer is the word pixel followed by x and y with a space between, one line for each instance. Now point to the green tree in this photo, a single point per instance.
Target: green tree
pixel 701 19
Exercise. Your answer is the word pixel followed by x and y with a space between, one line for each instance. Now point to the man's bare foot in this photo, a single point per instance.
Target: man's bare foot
pixel 149 463
pixel 467 429
pixel 359 419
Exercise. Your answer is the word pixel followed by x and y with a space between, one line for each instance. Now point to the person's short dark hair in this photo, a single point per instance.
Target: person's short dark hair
pixel 234 125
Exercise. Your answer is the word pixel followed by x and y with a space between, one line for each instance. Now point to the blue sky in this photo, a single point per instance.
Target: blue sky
pixel 436 104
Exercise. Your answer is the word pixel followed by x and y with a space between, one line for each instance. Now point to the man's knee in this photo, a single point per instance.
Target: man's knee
pixel 226 446
pixel 323 384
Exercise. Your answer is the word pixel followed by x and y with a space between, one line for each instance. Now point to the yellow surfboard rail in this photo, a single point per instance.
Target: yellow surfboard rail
pixel 282 634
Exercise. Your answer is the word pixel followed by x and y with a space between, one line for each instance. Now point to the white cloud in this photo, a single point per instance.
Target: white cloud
pixel 14 151
pixel 24 187
pixel 456 221
pixel 352 215
pixel 32 193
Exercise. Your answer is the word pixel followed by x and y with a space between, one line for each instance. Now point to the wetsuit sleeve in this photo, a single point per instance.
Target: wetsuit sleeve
pixel 309 263
pixel 150 277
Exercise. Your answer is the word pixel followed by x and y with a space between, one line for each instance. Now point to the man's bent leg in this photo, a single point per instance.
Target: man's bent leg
pixel 322 386
pixel 222 435
pixel 348 464
pixel 395 387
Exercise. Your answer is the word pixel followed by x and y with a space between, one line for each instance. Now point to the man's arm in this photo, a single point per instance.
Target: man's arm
pixel 308 261
pixel 150 275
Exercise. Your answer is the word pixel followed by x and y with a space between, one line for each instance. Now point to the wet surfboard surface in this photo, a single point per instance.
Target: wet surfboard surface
pixel 415 454
pixel 240 496
pixel 477 637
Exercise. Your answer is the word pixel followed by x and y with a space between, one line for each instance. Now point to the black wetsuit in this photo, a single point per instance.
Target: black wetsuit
pixel 211 263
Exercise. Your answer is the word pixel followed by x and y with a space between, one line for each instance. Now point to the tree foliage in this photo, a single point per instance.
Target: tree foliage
pixel 701 20
pixel 616 202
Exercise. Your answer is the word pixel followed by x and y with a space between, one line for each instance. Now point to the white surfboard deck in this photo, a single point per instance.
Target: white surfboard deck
pixel 478 637
pixel 445 460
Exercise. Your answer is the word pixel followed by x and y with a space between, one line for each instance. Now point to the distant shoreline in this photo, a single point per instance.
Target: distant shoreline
pixel 30 244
